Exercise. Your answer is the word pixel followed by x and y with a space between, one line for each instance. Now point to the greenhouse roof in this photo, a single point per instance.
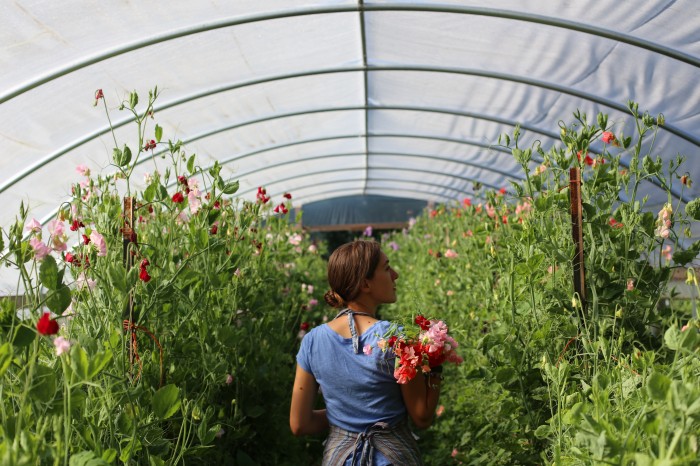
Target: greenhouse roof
pixel 337 98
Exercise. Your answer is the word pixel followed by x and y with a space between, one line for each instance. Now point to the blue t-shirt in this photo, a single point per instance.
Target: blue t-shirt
pixel 359 390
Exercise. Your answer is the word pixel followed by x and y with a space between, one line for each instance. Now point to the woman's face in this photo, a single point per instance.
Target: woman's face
pixel 381 286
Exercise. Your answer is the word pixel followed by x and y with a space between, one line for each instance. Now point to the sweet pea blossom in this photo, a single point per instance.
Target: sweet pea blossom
pixel 367 349
pixel 368 231
pixel 98 241
pixel 34 226
pixel 630 284
pixel 608 137
pixel 62 345
pixel 40 249
pixel 394 246
pixel 83 170
pixel 295 239
pixel 451 254
pixel 58 235
pixel 82 281
pixel 229 379
pixel 663 222
pixel 46 325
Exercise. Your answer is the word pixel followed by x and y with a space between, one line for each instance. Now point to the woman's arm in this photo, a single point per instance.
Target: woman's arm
pixel 303 418
pixel 420 395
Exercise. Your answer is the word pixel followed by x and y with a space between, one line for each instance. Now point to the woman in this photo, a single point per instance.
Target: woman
pixel 366 409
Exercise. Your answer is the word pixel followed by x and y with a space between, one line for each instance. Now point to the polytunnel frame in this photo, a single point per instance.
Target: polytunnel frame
pixel 361 8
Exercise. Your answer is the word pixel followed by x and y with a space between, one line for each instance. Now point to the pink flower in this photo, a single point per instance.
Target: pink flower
pixel 83 170
pixel 608 137
pixel 451 254
pixel 454 452
pixel 667 252
pixel 40 249
pixel 685 327
pixel 368 231
pixel 193 198
pixel 82 281
pixel 367 349
pixel 440 410
pixel 62 345
pixel 58 235
pixel 295 239
pixel 99 243
pixel 394 246
pixel 229 379
pixel 630 284
pixel 34 226
pixel 382 344
pixel 313 302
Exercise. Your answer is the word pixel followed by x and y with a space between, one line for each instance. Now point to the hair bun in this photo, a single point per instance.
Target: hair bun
pixel 333 299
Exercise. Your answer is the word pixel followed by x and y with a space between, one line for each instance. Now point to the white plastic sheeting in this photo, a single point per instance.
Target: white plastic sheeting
pixel 335 98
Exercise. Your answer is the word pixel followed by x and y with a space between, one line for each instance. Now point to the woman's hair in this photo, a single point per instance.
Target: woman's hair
pixel 347 267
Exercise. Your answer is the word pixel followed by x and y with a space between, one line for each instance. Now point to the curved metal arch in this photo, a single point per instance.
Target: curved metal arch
pixel 359 190
pixel 585 96
pixel 399 169
pixel 345 154
pixel 476 11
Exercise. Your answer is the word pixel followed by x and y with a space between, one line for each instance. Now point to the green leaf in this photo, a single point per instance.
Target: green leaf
pixel 543 431
pixel 117 277
pixel 190 164
pixel 159 133
pixel 126 156
pixel 48 273
pixel 117 157
pixel 98 362
pixel 79 362
pixel 5 357
pixel 43 386
pixel 231 188
pixel 150 193
pixel 23 336
pixel 683 257
pixel 109 455
pixel 658 386
pixel 86 458
pixel 59 300
pixel 166 401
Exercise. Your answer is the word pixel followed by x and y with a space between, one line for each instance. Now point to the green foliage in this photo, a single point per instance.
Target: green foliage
pixel 550 378
pixel 194 365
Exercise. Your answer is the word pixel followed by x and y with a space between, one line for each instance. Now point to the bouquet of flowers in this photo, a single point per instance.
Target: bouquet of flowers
pixel 426 348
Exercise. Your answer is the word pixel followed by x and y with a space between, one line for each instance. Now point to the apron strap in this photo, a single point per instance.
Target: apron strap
pixel 353 330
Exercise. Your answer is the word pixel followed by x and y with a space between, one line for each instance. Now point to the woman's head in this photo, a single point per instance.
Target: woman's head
pixel 347 267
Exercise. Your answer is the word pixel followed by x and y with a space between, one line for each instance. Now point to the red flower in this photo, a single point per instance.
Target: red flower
pixel 178 197
pixel 504 219
pixel 281 209
pixel 150 145
pixel 608 137
pixel 392 340
pixel 70 258
pixel 287 196
pixel 98 95
pixel 615 224
pixel 262 195
pixel 422 322
pixel 214 229
pixel 143 275
pixel 46 325
pixel 76 224
pixel 144 263
pixel 466 202
pixel 182 180
pixel 217 205
pixel 304 326
pixel 433 213
pixel 588 160
pixel 685 181
pixel 502 191
pixel 86 239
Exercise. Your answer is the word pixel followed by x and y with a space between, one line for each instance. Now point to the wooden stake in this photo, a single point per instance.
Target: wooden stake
pixel 128 261
pixel 577 232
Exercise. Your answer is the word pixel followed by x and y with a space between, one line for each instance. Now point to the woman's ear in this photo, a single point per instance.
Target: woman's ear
pixel 364 286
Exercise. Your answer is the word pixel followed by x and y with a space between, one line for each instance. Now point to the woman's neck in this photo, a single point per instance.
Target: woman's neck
pixel 359 306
